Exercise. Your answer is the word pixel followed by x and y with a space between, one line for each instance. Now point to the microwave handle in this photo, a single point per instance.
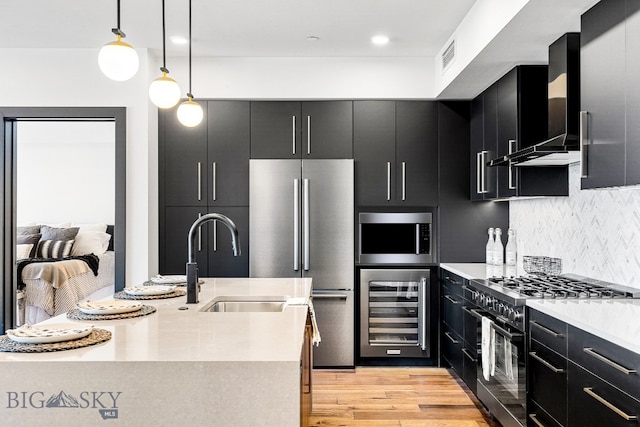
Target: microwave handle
pixel 417 239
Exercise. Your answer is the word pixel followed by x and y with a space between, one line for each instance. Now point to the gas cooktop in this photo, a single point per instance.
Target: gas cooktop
pixel 560 287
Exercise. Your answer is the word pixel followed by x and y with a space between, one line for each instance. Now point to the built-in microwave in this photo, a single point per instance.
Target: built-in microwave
pixel 395 238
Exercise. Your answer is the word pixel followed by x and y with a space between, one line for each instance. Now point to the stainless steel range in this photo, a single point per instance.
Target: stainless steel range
pixel 501 302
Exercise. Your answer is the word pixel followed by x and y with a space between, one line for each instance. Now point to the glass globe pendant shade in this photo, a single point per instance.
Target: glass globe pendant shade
pixel 190 113
pixel 164 92
pixel 118 60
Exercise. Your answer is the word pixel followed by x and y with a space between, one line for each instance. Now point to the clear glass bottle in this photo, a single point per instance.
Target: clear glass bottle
pixel 490 248
pixel 510 250
pixel 498 249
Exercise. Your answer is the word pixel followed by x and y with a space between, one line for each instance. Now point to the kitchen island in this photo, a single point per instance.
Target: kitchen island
pixel 172 367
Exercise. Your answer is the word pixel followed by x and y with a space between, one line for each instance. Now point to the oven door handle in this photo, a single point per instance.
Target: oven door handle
pixel 498 329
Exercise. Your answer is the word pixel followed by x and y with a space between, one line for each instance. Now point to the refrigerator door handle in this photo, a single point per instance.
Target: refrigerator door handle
pixel 305 223
pixel 296 224
pixel 422 317
pixel 330 296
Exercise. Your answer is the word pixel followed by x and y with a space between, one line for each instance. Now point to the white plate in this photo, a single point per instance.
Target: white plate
pixel 109 307
pixel 167 280
pixel 149 290
pixel 40 334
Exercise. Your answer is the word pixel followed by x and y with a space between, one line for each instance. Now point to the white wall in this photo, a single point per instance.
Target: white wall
pixel 596 233
pixel 65 172
pixel 71 77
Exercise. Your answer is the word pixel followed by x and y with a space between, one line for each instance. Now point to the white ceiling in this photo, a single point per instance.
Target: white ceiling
pixel 417 28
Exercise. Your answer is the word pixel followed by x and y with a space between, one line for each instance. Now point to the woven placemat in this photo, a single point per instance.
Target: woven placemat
pixel 75 314
pixel 95 337
pixel 174 294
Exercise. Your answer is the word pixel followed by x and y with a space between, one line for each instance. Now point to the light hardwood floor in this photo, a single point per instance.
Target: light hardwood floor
pixel 401 397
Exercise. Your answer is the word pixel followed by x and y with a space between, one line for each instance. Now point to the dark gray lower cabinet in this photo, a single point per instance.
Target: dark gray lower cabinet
pixel 212 243
pixel 596 403
pixel 577 379
pixel 451 345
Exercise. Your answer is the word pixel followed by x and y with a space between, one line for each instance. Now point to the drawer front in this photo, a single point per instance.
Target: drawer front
pixel 548 331
pixel 610 362
pixel 538 417
pixel 453 281
pixel 452 348
pixel 595 403
pixel 452 309
pixel 548 381
pixel 471 325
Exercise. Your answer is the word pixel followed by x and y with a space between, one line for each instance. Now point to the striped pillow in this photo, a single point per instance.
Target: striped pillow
pixel 54 248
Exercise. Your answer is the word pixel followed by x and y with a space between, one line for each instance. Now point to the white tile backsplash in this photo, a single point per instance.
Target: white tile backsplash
pixel 596 233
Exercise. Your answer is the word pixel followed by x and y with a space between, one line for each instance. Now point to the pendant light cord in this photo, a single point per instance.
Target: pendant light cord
pixel 164 44
pixel 117 31
pixel 189 94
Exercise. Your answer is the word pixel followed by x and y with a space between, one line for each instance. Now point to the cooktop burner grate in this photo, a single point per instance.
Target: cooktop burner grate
pixel 556 287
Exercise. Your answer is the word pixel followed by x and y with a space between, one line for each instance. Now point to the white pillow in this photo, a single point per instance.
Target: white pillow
pixel 23 251
pixel 90 227
pixel 91 242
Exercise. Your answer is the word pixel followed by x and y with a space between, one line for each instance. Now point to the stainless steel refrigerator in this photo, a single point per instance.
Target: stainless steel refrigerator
pixel 302 225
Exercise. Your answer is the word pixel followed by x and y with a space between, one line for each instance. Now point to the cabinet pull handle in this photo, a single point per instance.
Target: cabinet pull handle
pixel 478 171
pixel 590 392
pixel 293 134
pixel 450 280
pixel 609 362
pixel 199 235
pixel 296 224
pixel 199 181
pixel 215 235
pixel 534 418
pixel 329 296
pixel 483 179
pixel 213 192
pixel 584 135
pixel 512 149
pixel 404 181
pixel 545 363
pixel 545 329
pixel 469 355
pixel 453 340
pixel 453 301
pixel 308 135
pixel 388 180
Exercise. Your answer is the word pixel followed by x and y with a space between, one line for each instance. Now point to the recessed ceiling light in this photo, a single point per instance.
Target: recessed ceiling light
pixel 179 40
pixel 380 40
pixel 313 38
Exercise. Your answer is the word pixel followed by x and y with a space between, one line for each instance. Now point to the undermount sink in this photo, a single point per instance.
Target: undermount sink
pixel 246 304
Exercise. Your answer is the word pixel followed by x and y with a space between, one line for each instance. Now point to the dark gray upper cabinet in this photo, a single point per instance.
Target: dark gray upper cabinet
pixel 293 129
pixel 484 131
pixel 228 144
pixel 633 92
pixel 507 134
pixel 183 160
pixel 417 153
pixel 327 130
pixel 602 72
pixel 396 152
pixel 374 149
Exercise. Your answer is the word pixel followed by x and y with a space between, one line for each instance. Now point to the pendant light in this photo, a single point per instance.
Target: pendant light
pixel 190 113
pixel 118 60
pixel 164 91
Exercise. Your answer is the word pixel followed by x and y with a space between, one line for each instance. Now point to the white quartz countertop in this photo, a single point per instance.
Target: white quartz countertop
pixel 614 320
pixel 171 334
pixel 479 270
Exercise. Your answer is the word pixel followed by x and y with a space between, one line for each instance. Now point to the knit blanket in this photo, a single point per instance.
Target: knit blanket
pixel 56 271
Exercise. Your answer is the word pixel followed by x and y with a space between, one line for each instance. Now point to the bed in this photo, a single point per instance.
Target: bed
pixel 55 275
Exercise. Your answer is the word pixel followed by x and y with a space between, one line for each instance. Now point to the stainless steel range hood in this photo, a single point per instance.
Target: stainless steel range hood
pixel 563 146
